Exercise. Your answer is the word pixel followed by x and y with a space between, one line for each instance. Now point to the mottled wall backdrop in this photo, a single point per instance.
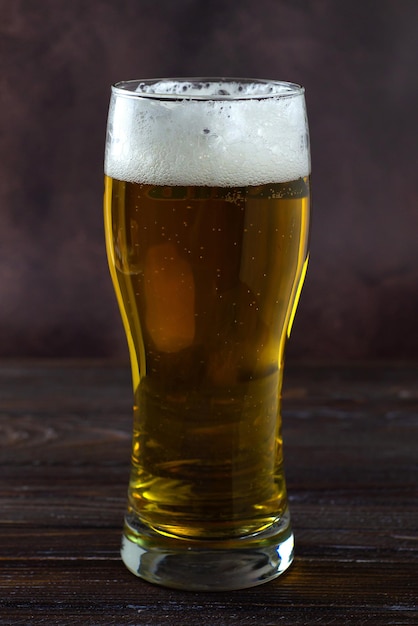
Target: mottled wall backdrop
pixel 358 61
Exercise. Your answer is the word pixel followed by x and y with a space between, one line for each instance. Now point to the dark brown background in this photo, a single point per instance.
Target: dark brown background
pixel 358 61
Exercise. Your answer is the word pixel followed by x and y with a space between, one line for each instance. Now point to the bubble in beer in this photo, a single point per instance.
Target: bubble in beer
pixel 185 132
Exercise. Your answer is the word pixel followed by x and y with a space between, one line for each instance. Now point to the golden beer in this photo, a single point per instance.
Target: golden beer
pixel 207 278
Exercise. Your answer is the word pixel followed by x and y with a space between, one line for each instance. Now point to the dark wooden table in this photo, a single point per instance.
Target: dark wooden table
pixel 351 445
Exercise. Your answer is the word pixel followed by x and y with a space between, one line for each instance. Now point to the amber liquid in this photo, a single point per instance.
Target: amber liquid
pixel 207 281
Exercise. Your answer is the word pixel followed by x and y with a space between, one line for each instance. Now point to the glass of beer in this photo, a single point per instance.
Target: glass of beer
pixel 206 218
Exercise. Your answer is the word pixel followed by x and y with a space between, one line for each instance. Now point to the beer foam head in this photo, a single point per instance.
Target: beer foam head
pixel 209 133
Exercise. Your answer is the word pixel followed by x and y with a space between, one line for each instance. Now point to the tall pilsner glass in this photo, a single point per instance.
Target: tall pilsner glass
pixel 207 216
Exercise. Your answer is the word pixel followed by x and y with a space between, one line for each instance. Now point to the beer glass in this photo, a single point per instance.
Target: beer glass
pixel 206 218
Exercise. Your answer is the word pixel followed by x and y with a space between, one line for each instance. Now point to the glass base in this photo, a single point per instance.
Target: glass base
pixel 207 565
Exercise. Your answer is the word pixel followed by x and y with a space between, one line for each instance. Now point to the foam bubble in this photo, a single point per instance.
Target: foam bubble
pixel 216 89
pixel 195 134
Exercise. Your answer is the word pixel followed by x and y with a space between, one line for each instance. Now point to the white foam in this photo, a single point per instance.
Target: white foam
pixel 188 139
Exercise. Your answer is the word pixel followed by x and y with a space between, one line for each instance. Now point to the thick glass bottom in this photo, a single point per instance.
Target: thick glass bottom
pixel 207 565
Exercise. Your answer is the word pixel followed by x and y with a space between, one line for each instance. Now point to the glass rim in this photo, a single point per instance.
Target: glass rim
pixel 279 89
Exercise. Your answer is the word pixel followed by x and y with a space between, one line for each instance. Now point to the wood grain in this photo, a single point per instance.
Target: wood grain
pixel 352 466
